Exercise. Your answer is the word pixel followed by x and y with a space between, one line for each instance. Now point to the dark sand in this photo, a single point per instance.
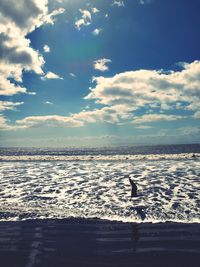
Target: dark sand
pixel 78 242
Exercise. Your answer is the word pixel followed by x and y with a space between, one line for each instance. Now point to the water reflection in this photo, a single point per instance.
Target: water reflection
pixel 135 232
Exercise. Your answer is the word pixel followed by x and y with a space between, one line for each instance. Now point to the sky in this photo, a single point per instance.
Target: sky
pixel 99 72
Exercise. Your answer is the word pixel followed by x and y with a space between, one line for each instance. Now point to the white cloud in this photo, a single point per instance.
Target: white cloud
pixel 46 49
pixel 24 15
pixel 156 117
pixel 8 88
pixel 8 105
pixel 95 10
pixel 48 103
pixel 143 127
pixel 96 31
pixel 125 93
pixel 85 14
pixel 50 18
pixel 150 88
pixel 85 19
pixel 17 20
pixel 50 121
pixel 72 75
pixel 118 3
pixel 32 93
pixel 106 114
pixel 16 56
pixel 100 64
pixel 51 75
pixel 144 2
pixel 197 115
pixel 189 131
pixel 6 126
pixel 81 22
pixel 3 123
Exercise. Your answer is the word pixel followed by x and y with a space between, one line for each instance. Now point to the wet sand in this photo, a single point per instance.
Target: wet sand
pixel 79 242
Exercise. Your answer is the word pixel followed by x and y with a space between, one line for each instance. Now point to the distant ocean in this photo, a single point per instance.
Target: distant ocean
pixel 121 150
pixel 41 183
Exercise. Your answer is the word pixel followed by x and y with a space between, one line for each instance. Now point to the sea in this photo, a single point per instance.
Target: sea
pixel 58 183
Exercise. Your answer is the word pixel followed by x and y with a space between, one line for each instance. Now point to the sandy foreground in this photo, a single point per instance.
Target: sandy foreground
pixel 79 242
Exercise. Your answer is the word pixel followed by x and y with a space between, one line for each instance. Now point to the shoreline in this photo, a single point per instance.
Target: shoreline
pixel 95 242
pixel 95 220
pixel 128 157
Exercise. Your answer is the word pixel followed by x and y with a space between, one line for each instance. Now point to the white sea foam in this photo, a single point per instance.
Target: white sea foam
pixel 99 157
pixel 168 190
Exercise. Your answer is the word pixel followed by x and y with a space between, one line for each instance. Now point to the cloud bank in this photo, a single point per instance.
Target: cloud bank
pixel 53 120
pixel 17 20
pixel 157 93
pixel 150 88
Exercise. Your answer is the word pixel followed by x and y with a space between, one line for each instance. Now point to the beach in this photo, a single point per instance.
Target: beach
pixel 99 133
pixel 93 242
pixel 74 208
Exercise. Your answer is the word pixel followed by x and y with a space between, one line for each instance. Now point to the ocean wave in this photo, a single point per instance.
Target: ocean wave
pixel 167 190
pixel 180 156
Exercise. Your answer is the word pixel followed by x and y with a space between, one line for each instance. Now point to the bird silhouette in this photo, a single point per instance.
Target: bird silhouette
pixel 133 188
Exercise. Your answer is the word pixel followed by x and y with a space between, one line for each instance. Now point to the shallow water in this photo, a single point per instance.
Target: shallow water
pixel 168 190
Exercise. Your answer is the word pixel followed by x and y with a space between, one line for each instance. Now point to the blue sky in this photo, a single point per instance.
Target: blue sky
pixel 99 72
